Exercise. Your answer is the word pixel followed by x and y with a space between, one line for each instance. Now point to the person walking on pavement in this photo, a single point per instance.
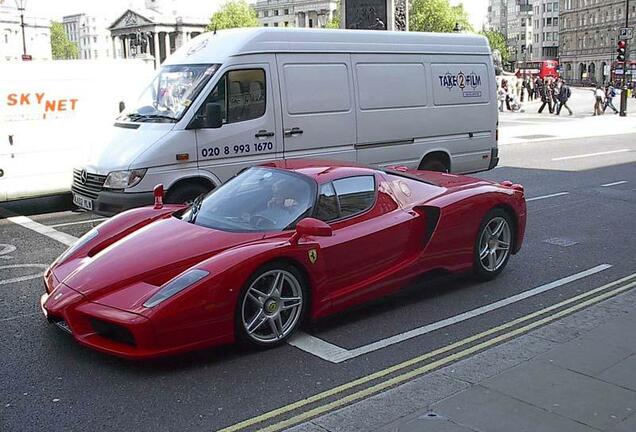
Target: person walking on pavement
pixel 610 93
pixel 501 96
pixel 599 94
pixel 546 96
pixel 564 94
pixel 556 89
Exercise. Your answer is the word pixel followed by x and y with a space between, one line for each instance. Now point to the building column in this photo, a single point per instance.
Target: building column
pixel 122 46
pixel 155 47
pixel 114 46
pixel 306 20
pixel 166 45
pixel 127 46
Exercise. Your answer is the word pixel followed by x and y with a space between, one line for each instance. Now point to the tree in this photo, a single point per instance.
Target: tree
pixel 233 14
pixel 497 41
pixel 437 16
pixel 334 22
pixel 61 47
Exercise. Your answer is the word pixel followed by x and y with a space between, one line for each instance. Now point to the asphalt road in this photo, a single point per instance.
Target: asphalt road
pixel 51 383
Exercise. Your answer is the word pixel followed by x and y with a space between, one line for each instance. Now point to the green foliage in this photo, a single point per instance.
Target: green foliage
pixel 233 14
pixel 61 47
pixel 497 41
pixel 437 16
pixel 334 22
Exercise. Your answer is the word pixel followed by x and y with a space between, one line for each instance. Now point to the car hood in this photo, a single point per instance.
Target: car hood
pixel 126 142
pixel 153 255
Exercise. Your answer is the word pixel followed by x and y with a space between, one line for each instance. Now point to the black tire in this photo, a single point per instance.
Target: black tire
pixel 242 316
pixel 433 165
pixel 480 269
pixel 185 193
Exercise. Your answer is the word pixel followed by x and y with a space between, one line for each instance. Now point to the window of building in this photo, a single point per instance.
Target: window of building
pixel 311 23
pixel 555 6
pixel 549 7
pixel 265 25
pixel 275 12
pixel 275 24
pixel 555 36
pixel 265 13
pixel 286 11
pixel 548 21
pixel 286 23
pixel 555 21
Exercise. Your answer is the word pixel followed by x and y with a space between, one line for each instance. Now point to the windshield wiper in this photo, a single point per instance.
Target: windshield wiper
pixel 137 116
pixel 196 206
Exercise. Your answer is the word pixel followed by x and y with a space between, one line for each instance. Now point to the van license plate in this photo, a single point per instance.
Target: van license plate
pixel 83 202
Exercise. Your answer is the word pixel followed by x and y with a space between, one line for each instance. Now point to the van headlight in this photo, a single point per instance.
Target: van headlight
pixel 124 179
pixel 175 286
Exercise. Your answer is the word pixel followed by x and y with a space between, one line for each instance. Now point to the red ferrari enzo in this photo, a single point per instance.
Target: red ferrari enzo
pixel 277 244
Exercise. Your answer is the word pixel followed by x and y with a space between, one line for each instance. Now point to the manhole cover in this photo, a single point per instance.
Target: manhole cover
pixel 535 136
pixel 558 241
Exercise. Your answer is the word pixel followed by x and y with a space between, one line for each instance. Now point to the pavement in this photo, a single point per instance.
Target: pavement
pixel 578 251
pixel 575 374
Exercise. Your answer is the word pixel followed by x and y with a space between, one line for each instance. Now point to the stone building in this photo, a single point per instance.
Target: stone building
pixel 157 31
pixel 37 34
pixel 295 13
pixel 497 16
pixel 545 45
pixel 588 37
pixel 519 29
pixel 90 35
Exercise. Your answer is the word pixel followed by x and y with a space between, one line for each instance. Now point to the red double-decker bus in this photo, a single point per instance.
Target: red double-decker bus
pixel 541 69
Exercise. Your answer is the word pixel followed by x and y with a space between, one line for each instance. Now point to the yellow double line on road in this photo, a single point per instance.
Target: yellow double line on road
pixel 595 296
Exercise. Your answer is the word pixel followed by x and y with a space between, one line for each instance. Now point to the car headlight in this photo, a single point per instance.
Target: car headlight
pixel 78 244
pixel 124 179
pixel 175 286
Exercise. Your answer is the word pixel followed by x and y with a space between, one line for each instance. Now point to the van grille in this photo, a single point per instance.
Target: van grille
pixel 90 189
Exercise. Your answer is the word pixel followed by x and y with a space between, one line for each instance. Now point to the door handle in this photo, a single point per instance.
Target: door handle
pixel 263 133
pixel 293 131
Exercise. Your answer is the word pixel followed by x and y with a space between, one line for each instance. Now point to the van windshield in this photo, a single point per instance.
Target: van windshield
pixel 170 93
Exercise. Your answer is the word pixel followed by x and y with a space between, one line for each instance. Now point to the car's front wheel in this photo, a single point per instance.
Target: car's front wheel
pixel 271 305
pixel 493 244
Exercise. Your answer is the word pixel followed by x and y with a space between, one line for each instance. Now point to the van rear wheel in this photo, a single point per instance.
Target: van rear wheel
pixel 185 193
pixel 433 165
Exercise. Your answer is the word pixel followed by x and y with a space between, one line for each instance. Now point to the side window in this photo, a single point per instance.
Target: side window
pixel 241 94
pixel 327 206
pixel 355 194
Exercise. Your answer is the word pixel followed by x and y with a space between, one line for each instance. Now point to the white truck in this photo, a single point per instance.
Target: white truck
pixel 51 113
pixel 236 98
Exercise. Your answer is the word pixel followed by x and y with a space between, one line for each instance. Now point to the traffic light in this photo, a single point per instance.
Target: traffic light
pixel 621 51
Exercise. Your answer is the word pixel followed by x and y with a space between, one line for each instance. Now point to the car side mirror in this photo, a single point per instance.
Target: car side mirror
pixel 213 117
pixel 311 227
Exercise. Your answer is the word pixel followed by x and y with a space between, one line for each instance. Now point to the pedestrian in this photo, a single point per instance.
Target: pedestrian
pixel 524 86
pixel 501 96
pixel 556 89
pixel 530 89
pixel 546 96
pixel 564 94
pixel 504 85
pixel 598 100
pixel 610 93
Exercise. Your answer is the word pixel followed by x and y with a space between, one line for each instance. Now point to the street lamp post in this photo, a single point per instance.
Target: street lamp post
pixel 623 110
pixel 21 5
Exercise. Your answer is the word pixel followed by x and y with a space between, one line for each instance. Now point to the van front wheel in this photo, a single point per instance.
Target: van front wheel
pixel 185 193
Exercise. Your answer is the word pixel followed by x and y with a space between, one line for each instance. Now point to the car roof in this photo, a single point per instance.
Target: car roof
pixel 322 171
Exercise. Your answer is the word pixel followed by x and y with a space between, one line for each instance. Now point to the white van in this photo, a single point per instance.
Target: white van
pixel 237 98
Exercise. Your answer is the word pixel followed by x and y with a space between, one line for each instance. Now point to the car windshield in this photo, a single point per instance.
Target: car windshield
pixel 259 199
pixel 170 93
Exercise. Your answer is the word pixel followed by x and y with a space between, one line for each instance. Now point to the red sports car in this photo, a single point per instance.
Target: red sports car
pixel 277 244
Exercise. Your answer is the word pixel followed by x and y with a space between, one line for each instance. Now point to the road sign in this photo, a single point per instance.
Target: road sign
pixel 625 33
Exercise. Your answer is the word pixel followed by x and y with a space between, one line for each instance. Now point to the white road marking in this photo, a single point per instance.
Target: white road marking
pixel 24 221
pixel 78 222
pixel 20 316
pixel 615 183
pixel 6 249
pixel 23 278
pixel 336 354
pixel 590 155
pixel 547 196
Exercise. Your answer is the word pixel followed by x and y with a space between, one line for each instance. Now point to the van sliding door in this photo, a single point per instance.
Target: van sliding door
pixel 317 105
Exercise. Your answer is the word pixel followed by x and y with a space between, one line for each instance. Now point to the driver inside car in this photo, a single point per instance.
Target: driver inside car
pixel 284 201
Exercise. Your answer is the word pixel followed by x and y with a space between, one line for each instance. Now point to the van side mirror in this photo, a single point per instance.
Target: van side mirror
pixel 311 227
pixel 213 117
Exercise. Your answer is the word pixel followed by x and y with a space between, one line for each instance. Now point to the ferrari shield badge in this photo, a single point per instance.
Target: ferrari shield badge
pixel 313 255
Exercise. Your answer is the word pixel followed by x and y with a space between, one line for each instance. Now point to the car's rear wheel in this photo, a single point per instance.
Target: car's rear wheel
pixel 271 305
pixel 493 244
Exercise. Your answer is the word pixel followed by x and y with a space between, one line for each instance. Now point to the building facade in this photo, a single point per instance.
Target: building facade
pixel 545 44
pixel 589 35
pixel 37 32
pixel 90 34
pixel 157 31
pixel 519 33
pixel 497 16
pixel 295 13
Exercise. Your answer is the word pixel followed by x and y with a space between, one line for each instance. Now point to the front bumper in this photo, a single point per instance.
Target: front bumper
pixel 109 203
